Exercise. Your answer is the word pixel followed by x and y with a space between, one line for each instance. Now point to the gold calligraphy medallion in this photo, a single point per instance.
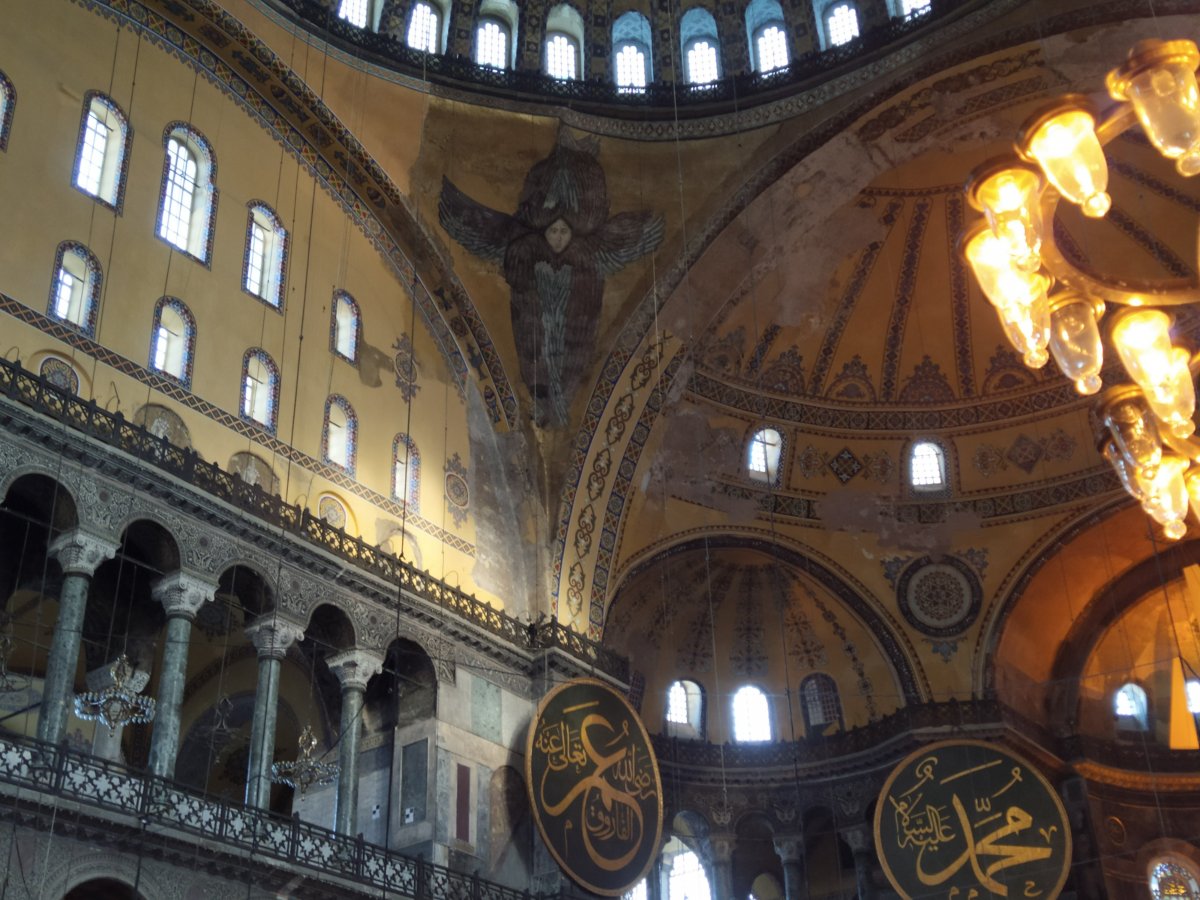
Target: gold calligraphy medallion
pixel 594 786
pixel 968 820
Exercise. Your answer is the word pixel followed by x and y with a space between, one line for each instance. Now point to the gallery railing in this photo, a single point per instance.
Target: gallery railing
pixel 744 88
pixel 114 430
pixel 170 810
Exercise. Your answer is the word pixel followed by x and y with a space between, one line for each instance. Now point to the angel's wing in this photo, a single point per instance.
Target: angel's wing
pixel 624 238
pixel 483 231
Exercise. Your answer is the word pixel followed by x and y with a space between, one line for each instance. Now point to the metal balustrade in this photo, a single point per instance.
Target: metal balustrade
pixel 114 430
pixel 165 807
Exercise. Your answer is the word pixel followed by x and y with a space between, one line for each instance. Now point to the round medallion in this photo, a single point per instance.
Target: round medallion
pixel 939 599
pixel 456 490
pixel 971 819
pixel 594 786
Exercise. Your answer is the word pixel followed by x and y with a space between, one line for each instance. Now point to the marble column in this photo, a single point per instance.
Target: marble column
pixel 107 742
pixel 79 554
pixel 859 841
pixel 181 595
pixel 790 850
pixel 353 668
pixel 721 846
pixel 272 636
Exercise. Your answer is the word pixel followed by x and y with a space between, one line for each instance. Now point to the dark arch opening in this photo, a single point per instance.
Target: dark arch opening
pixel 404 692
pixel 102 889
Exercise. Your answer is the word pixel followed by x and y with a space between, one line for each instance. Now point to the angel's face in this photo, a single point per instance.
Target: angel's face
pixel 558 235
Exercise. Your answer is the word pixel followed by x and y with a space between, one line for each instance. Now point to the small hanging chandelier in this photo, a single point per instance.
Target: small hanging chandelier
pixel 118 704
pixel 9 683
pixel 1050 307
pixel 306 771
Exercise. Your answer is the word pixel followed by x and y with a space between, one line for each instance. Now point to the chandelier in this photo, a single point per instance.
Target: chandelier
pixel 117 704
pixel 9 683
pixel 1050 307
pixel 305 771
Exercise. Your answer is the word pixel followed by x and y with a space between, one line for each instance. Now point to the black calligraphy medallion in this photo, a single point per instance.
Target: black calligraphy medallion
pixel 594 786
pixel 971 820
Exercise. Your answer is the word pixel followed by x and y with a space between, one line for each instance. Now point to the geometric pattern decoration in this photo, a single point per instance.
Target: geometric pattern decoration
pixel 458 493
pixel 939 598
pixel 60 373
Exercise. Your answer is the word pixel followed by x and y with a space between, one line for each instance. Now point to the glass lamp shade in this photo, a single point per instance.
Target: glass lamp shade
pixel 1028 330
pixel 1133 430
pixel 1124 471
pixel 1166 499
pixel 1075 339
pixel 1143 341
pixel 1002 281
pixel 1008 194
pixel 1064 143
pixel 1159 80
pixel 1192 480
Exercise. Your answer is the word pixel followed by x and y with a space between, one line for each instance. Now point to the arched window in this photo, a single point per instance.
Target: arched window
pixel 340 439
pixel 406 471
pixel 1173 878
pixel 910 9
pixel 767 33
pixel 839 23
pixel 188 195
pixel 425 27
pixel 751 715
pixel 762 455
pixel 496 34
pixel 1192 691
pixel 926 466
pixel 8 103
pixel 699 41
pixel 357 12
pixel 685 709
pixel 564 38
pixel 345 327
pixel 260 388
pixel 103 149
pixel 75 289
pixel 1130 707
pixel 173 340
pixel 820 702
pixel 631 41
pixel 266 255
pixel 686 878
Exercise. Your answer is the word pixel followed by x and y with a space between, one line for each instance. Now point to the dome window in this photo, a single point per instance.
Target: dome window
pixel 173 340
pixel 103 148
pixel 631 41
pixel 685 709
pixel 1172 877
pixel 188 193
pixel 260 389
pixel 766 30
pixel 751 715
pixel 700 43
pixel 345 327
pixel 266 253
pixel 341 433
pixel 356 12
pixel 424 28
pixel 406 471
pixel 927 467
pixel 820 703
pixel 762 455
pixel 1130 707
pixel 841 24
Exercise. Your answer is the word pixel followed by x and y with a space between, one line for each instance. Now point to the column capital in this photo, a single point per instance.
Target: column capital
pixel 182 594
pixel 80 552
pixel 355 667
pixel 789 847
pixel 272 635
pixel 857 838
pixel 721 845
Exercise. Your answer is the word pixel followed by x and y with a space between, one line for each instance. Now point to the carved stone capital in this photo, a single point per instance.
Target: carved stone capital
pixel 80 552
pixel 858 838
pixel 354 668
pixel 789 847
pixel 721 846
pixel 272 635
pixel 182 594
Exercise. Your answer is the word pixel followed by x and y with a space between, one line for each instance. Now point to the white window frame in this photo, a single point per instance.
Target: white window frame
pixel 909 9
pixel 712 53
pixel 630 71
pixel 187 200
pixel 100 156
pixel 170 351
pixel 75 290
pixel 341 436
pixel 831 10
pixel 562 56
pixel 925 456
pixel 258 400
pixel 426 21
pixel 346 326
pixel 684 714
pixel 266 254
pixel 359 13
pixel 1131 707
pixel 779 57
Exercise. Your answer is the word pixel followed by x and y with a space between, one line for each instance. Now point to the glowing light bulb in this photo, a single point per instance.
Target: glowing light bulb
pixel 1006 285
pixel 1143 341
pixel 1065 145
pixel 1166 499
pixel 1159 80
pixel 1008 195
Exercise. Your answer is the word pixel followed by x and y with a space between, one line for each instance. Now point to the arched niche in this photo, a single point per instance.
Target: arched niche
pixel 405 691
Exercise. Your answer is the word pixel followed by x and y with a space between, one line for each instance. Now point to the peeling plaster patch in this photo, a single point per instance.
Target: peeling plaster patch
pixel 875 514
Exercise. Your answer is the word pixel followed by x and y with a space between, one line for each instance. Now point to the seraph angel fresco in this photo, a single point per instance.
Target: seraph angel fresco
pixel 555 250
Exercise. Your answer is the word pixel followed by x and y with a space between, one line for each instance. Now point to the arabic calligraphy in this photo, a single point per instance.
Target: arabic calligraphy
pixel 594 786
pixel 967 820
